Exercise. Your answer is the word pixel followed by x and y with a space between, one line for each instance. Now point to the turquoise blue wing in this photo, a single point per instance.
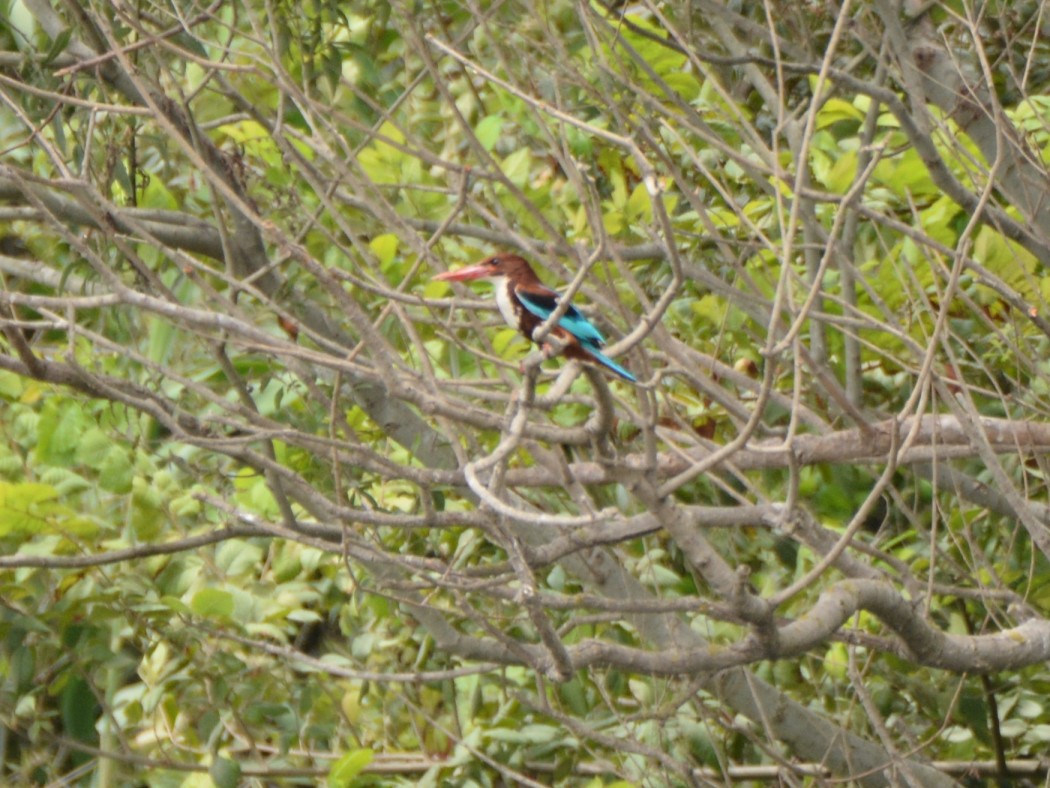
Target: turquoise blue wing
pixel 573 321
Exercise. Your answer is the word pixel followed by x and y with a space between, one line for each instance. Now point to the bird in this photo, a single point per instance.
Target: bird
pixel 525 303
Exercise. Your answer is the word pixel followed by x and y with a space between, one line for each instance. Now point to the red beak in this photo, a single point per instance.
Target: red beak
pixel 465 274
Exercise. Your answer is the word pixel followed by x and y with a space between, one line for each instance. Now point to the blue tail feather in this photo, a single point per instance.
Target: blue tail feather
pixel 601 358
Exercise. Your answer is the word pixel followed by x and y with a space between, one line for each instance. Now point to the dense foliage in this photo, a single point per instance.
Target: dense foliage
pixel 276 506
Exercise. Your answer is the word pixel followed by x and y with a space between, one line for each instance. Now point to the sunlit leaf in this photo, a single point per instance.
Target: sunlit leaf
pixel 345 770
pixel 212 603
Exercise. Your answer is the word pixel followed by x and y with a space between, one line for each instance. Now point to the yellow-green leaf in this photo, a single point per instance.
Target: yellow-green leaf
pixel 836 109
pixel 212 603
pixel 384 247
pixel 639 205
pixel 516 167
pixel 841 173
pixel 488 131
pixel 346 769
pixel 115 472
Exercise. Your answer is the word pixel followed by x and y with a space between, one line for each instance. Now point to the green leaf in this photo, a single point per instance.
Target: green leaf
pixel 835 110
pixel 79 710
pixel 254 493
pixel 11 385
pixel 115 472
pixel 346 769
pixel 26 494
pixel 156 194
pixel 517 166
pixel 1039 733
pixel 287 566
pixel 840 175
pixel 381 161
pixel 1029 709
pixel 57 47
pixel 642 690
pixel 24 508
pixel 506 338
pixel 175 604
pixel 255 139
pixel 92 447
pixel 146 493
pixel 185 505
pixel 836 660
pixel 639 205
pixel 237 557
pixel 20 21
pixel 212 603
pixel 384 247
pixel 58 432
pixel 162 335
pixel 225 773
pixel 488 131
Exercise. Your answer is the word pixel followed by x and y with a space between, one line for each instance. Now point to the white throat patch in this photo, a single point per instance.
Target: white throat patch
pixel 505 301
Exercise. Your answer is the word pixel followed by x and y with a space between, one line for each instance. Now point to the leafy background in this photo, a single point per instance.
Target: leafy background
pixel 241 541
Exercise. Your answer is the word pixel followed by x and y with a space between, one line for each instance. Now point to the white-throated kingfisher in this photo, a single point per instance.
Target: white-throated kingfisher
pixel 525 303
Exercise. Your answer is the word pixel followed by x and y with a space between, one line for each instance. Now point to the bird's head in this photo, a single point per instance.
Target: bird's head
pixel 499 265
